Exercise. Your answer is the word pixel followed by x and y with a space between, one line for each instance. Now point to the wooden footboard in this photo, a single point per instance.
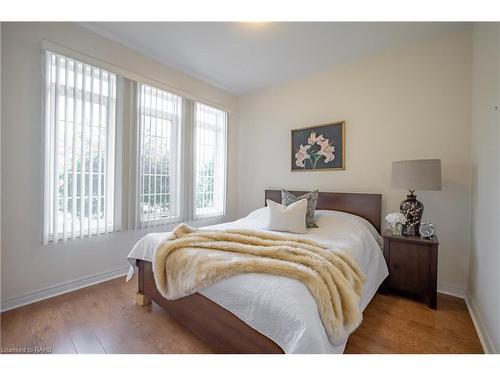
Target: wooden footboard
pixel 220 329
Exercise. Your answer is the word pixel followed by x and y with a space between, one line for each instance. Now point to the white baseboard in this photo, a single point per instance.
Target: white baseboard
pixel 451 290
pixel 41 294
pixel 485 339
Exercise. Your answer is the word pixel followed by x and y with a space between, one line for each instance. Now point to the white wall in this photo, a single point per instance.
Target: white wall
pixel 409 103
pixel 484 297
pixel 27 265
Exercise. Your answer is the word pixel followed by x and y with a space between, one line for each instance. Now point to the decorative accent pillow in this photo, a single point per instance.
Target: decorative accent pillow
pixel 312 200
pixel 287 218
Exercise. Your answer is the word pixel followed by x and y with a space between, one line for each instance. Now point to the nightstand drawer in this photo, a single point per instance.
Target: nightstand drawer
pixel 409 267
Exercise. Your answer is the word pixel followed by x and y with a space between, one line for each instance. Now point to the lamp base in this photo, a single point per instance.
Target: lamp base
pixel 413 210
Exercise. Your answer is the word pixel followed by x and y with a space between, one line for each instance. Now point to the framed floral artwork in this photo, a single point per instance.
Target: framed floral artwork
pixel 319 148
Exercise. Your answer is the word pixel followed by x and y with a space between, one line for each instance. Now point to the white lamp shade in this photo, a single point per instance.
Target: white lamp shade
pixel 422 174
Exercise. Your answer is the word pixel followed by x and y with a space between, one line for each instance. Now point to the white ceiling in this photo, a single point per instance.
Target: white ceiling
pixel 244 57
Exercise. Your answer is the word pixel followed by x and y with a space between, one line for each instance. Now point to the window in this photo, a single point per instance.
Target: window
pixel 80 102
pixel 159 114
pixel 117 151
pixel 209 161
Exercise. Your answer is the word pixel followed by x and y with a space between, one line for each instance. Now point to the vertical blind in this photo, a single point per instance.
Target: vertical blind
pixel 209 161
pixel 80 110
pixel 159 116
pixel 80 153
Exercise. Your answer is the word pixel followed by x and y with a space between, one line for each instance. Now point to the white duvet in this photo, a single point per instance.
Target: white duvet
pixel 281 308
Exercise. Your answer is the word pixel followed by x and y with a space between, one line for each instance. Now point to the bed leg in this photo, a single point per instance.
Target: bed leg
pixel 141 299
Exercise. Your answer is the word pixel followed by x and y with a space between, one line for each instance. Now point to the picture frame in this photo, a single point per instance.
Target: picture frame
pixel 318 148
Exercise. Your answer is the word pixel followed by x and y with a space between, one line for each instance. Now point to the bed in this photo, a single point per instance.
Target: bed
pixel 262 313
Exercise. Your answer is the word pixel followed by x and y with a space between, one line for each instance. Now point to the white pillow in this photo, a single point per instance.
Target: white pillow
pixel 291 218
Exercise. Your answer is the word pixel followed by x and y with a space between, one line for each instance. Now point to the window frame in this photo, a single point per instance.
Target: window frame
pixel 176 122
pixel 82 98
pixel 220 147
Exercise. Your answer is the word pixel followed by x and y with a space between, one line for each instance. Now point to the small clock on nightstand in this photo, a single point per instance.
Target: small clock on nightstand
pixel 412 263
pixel 426 230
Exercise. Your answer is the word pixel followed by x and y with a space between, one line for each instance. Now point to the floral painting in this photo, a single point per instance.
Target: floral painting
pixel 318 147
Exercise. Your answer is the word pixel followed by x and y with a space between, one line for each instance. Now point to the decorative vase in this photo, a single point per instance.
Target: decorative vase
pixel 413 210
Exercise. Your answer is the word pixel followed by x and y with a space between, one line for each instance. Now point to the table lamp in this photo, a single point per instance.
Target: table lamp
pixel 415 175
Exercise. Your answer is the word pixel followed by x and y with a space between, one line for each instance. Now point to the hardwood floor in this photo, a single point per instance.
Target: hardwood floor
pixel 105 319
pixel 392 324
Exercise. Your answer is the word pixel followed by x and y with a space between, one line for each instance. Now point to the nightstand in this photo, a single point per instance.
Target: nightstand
pixel 412 264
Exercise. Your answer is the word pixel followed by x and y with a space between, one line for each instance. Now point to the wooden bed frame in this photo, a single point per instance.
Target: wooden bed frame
pixel 220 329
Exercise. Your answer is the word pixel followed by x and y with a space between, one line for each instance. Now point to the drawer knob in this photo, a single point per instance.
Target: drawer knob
pixel 395 265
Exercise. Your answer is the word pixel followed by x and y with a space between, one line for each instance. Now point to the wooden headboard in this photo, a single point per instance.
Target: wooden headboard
pixel 368 206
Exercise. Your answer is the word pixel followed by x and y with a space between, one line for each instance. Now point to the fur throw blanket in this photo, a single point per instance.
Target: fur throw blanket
pixel 191 260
